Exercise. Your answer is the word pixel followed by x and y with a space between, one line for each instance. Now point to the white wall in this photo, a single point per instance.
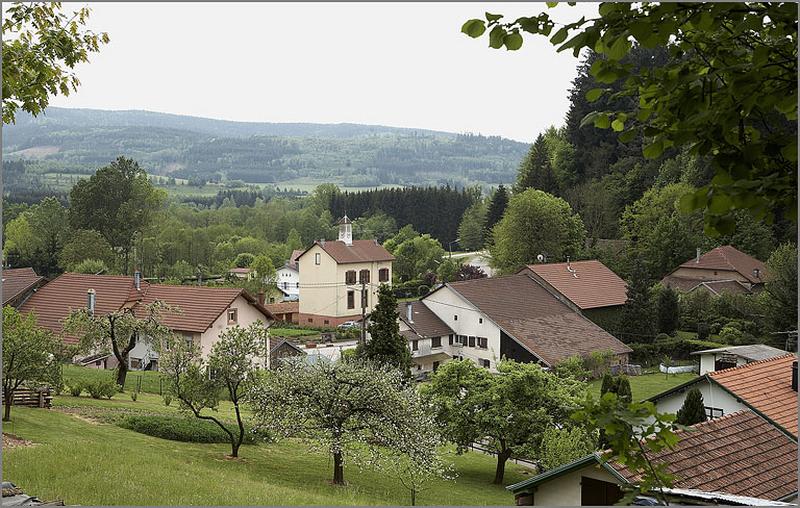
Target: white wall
pixel 288 279
pixel 447 304
pixel 247 314
pixel 713 396
pixel 566 490
pixel 708 361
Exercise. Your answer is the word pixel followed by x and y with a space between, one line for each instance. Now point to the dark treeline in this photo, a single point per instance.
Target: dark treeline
pixel 433 210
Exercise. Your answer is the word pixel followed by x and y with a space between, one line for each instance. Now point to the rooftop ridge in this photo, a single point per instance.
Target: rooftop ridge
pixel 757 362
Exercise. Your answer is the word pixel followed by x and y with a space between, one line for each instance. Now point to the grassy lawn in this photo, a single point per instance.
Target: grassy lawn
pixel 100 464
pixel 647 385
pixel 293 332
pixel 149 379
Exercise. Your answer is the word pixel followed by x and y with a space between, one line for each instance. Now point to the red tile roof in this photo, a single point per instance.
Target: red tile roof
pixel 765 385
pixel 361 251
pixel 530 314
pixel 200 306
pixel 292 263
pixel 740 453
pixel 283 307
pixel 424 322
pixel 728 258
pixel 17 281
pixel 587 284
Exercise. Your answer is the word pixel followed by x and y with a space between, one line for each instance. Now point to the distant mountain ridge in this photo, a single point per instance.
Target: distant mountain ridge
pixel 79 141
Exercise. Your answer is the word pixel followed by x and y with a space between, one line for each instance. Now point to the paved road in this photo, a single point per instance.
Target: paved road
pixel 477 258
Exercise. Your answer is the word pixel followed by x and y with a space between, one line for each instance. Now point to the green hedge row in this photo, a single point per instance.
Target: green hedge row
pixel 191 430
pixel 676 348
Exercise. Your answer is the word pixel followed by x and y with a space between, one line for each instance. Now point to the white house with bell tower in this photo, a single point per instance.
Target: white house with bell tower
pixel 341 278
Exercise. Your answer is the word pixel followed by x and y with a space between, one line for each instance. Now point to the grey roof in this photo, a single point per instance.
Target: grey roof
pixel 752 352
pixel 424 323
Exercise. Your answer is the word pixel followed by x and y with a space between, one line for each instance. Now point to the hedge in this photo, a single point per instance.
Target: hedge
pixel 192 430
pixel 675 348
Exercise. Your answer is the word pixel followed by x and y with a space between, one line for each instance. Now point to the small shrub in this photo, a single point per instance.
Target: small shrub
pixel 423 290
pixel 177 428
pixel 703 331
pixel 167 399
pixel 76 389
pixel 99 389
pixel 134 395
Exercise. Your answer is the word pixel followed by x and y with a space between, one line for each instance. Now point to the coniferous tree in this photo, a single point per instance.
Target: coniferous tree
pixel 536 171
pixel 386 345
pixel 638 321
pixel 668 311
pixel 495 211
pixel 693 409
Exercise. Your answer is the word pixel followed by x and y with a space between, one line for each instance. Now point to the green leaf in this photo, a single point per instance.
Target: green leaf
pixel 513 41
pixel 559 36
pixel 589 118
pixel 474 28
pixel 594 94
pixel 619 48
pixel 627 136
pixel 653 150
pixel 493 17
pixel 496 37
pixel 618 125
pixel 789 151
pixel 602 121
pixel 550 5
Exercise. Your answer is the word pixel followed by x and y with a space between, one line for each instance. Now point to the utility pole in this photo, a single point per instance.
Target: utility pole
pixel 363 311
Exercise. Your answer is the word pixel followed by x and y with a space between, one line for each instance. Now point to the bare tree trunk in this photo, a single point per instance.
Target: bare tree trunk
pixel 237 444
pixel 502 457
pixel 338 469
pixel 122 371
pixel 413 497
pixel 9 396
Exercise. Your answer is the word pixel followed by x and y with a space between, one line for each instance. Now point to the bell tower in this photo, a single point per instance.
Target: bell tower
pixel 346 230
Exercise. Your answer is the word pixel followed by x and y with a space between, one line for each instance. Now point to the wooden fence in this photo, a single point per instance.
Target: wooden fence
pixel 37 397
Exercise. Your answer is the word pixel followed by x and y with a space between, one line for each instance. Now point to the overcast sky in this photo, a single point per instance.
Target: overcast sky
pixel 404 65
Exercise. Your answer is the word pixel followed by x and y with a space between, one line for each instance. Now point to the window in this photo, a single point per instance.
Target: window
pixel 419 367
pixel 482 342
pixel 350 277
pixel 233 316
pixel 317 258
pixel 363 276
pixel 326 322
pixel 351 299
pixel 461 340
pixel 472 341
pixel 455 317
pixel 383 275
pixel 450 340
pixel 486 364
pixel 713 412
pixel 414 345
pixel 297 285
pixel 310 320
pixel 480 320
pixel 136 363
pixel 436 342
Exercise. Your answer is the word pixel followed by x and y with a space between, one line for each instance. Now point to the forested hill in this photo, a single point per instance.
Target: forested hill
pixel 78 141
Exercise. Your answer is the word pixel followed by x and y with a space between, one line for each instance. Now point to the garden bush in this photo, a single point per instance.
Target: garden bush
pixel 676 348
pixel 176 428
pixel 76 389
pixel 99 389
pixel 167 399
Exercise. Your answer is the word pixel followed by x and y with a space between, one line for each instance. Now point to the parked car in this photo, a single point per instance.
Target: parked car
pixel 349 324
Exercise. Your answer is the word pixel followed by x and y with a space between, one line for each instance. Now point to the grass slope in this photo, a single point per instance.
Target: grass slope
pixel 149 379
pixel 101 464
pixel 647 385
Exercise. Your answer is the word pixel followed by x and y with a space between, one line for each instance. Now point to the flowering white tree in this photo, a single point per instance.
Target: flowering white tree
pixel 353 410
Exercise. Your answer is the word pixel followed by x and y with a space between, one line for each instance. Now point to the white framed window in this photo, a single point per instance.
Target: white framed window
pixel 317 258
pixel 233 316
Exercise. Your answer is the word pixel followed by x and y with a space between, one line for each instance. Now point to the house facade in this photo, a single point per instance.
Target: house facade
pixel 341 277
pixel 429 338
pixel 204 312
pixel 712 360
pixel 287 277
pixel 721 269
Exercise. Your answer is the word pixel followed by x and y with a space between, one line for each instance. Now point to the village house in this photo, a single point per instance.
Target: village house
pixel 281 350
pixel 19 284
pixel 514 317
pixel 766 387
pixel 205 312
pixel 589 287
pixel 734 356
pixel 722 461
pixel 287 277
pixel 341 278
pixel 286 312
pixel 428 337
pixel 723 269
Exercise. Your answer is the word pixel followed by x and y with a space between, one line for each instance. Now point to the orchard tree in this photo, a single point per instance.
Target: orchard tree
pixel 352 410
pixel 693 410
pixel 495 210
pixel 31 355
pixel 536 223
pixel 119 202
pixel 740 112
pixel 386 345
pixel 41 47
pixel 231 369
pixel 119 330
pixel 509 411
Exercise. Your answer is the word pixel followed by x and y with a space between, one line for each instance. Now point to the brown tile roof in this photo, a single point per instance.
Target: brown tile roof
pixel 425 323
pixel 680 283
pixel 529 313
pixel 200 306
pixel 283 307
pixel 589 284
pixel 17 281
pixel 766 386
pixel 292 263
pixel 362 251
pixel 740 454
pixel 717 287
pixel 729 258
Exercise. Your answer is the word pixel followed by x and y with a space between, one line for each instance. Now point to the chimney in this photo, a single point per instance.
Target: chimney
pixel 137 280
pixel 409 313
pixel 261 297
pixel 794 375
pixel 697 259
pixel 91 297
